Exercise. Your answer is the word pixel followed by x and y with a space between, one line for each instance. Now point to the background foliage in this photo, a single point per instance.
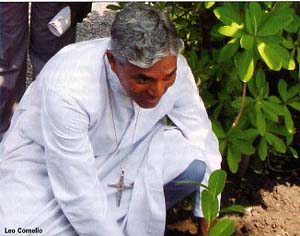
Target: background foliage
pixel 245 57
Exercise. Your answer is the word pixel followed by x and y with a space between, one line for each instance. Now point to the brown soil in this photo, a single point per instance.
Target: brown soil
pixel 272 203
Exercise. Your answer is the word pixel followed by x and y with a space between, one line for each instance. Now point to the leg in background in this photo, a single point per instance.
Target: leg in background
pixel 43 44
pixel 13 49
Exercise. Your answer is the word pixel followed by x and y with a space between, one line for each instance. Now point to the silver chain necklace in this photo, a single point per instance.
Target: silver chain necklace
pixel 120 186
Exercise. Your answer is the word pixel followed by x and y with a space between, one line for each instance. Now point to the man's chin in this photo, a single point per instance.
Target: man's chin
pixel 148 104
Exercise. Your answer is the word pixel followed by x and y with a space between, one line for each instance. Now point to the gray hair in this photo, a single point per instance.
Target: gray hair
pixel 142 35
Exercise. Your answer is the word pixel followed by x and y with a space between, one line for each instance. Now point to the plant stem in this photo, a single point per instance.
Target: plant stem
pixel 238 117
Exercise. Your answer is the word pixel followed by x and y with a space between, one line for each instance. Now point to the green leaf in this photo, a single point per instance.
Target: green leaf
pixel 228 14
pixel 216 182
pixel 294 152
pixel 210 206
pixel 251 134
pixel 293 91
pixel 244 147
pixel 206 204
pixel 249 22
pixel 260 120
pixel 230 31
pixel 260 79
pixel 298 61
pixel 218 129
pixel 224 227
pixel 275 21
pixel 228 50
pixel 253 16
pixel 294 25
pixel 246 66
pixel 295 105
pixel 282 89
pixel 247 41
pixel 271 115
pixel 288 43
pixel 208 4
pixel 237 102
pixel 256 13
pixel 269 53
pixel 276 142
pixel 288 120
pixel 233 208
pixel 263 149
pixel 274 107
pixel 222 146
pixel 233 158
pixel 274 99
pixel 287 59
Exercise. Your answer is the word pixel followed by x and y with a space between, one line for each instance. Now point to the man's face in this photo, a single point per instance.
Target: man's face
pixel 146 85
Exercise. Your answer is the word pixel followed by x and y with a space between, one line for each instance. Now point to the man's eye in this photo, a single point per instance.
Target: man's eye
pixel 142 80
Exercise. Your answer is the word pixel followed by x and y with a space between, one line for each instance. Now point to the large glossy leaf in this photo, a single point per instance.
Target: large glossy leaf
pixel 216 182
pixel 230 31
pixel 294 25
pixel 263 149
pixel 209 4
pixel 246 65
pixel 275 21
pixel 269 53
pixel 228 50
pixel 224 227
pixel 249 22
pixel 228 14
pixel 247 41
pixel 270 56
pixel 256 13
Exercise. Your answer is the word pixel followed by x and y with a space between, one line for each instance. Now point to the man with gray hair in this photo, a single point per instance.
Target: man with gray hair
pixel 88 151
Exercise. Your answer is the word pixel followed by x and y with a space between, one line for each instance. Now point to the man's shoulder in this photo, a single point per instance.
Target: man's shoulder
pixel 83 52
pixel 76 69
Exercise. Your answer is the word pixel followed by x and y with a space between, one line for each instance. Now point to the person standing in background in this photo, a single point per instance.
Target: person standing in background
pixel 17 38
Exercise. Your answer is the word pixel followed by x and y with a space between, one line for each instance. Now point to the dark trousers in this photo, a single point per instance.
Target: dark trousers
pixel 175 193
pixel 16 37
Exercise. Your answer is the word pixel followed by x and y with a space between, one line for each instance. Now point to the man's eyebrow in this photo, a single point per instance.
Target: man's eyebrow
pixel 151 78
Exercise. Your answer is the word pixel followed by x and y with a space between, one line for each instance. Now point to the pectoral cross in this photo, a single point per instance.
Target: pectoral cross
pixel 120 186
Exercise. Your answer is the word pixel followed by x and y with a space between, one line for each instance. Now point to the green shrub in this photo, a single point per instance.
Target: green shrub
pixel 245 58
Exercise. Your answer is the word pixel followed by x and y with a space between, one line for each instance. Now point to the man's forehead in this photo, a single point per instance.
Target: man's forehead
pixel 167 64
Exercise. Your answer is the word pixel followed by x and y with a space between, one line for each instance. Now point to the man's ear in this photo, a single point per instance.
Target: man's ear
pixel 112 61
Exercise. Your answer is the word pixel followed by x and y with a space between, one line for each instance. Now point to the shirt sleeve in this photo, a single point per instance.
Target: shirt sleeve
pixel 190 116
pixel 71 166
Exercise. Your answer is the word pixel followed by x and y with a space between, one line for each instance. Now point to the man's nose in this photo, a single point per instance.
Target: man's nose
pixel 157 90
